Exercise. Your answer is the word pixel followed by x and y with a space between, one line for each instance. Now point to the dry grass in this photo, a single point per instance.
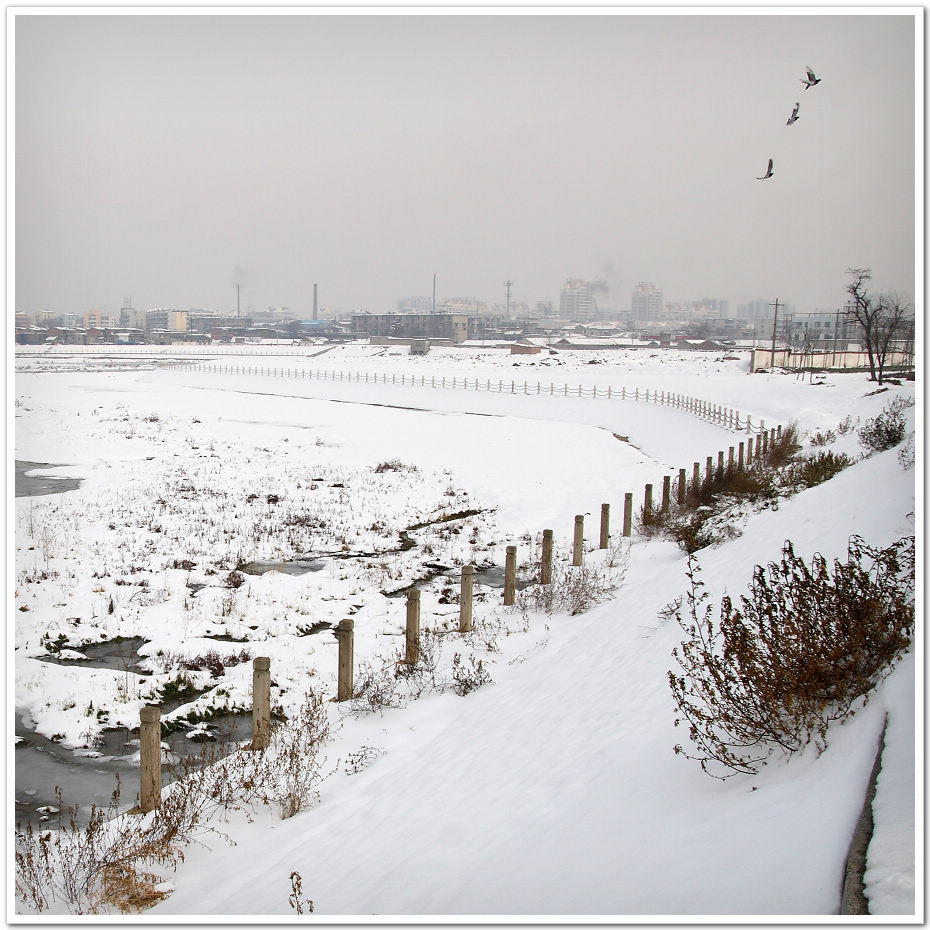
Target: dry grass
pixel 110 863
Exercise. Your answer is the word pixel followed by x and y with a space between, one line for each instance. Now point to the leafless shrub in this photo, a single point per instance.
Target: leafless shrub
pixel 573 588
pixel 906 455
pixel 375 686
pixel 235 580
pixel 804 648
pixel 394 465
pixel 468 674
pixel 215 662
pixel 888 429
pixel 823 438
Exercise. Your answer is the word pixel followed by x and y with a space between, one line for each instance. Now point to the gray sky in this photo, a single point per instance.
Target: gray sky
pixel 169 157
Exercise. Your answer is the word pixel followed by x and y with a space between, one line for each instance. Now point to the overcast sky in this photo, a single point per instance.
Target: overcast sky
pixel 170 157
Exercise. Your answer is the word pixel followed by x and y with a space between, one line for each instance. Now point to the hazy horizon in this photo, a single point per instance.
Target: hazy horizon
pixel 170 157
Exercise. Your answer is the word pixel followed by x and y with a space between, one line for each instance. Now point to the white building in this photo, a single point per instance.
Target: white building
pixel 647 303
pixel 576 301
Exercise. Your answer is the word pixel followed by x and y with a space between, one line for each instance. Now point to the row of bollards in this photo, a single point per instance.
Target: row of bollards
pixel 150 752
pixel 735 459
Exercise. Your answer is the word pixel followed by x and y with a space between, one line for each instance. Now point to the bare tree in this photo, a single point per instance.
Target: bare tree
pixel 892 323
pixel 881 319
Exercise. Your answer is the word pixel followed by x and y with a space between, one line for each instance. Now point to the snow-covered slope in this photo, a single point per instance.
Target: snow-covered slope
pixel 554 790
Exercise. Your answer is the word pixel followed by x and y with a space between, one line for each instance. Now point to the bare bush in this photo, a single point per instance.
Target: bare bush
pixel 888 429
pixel 468 675
pixel 574 588
pixel 804 648
pixel 375 686
pixel 812 471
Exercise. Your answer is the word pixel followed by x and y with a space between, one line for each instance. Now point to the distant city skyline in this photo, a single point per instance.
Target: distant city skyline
pixel 172 157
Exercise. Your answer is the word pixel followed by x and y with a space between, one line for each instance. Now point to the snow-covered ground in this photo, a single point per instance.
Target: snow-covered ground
pixel 554 789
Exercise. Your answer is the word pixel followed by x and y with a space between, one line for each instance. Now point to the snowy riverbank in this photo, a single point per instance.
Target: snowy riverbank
pixel 552 791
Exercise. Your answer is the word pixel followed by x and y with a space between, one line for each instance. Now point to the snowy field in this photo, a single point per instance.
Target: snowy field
pixel 553 789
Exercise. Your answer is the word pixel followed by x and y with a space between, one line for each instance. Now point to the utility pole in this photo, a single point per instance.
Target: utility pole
pixel 836 333
pixel 507 284
pixel 774 330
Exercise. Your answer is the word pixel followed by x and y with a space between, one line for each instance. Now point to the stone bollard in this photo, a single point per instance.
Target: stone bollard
pixel 778 431
pixel 749 442
pixel 709 471
pixel 345 634
pixel 545 568
pixel 261 702
pixel 149 758
pixel 605 526
pixel 465 598
pixel 696 478
pixel 413 627
pixel 578 543
pixel 772 438
pixel 682 486
pixel 720 465
pixel 730 458
pixel 666 493
pixel 742 455
pixel 628 514
pixel 764 442
pixel 647 502
pixel 510 577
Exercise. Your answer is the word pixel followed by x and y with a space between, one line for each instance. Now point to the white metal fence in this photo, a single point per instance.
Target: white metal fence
pixel 723 416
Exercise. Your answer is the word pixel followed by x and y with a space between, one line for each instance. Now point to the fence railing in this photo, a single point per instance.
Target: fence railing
pixel 719 414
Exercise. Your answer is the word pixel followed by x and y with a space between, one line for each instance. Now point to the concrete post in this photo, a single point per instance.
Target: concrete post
pixel 709 471
pixel 605 525
pixel 345 634
pixel 682 486
pixel 628 514
pixel 545 568
pixel 465 598
pixel 413 627
pixel 749 442
pixel 764 440
pixel 696 478
pixel 772 438
pixel 720 465
pixel 666 492
pixel 730 459
pixel 647 502
pixel 778 431
pixel 149 758
pixel 510 577
pixel 261 702
pixel 578 544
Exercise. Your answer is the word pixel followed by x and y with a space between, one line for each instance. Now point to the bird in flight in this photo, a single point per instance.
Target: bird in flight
pixel 811 79
pixel 794 115
pixel 768 173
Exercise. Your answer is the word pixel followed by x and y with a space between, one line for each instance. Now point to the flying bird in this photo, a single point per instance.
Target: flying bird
pixel 794 115
pixel 811 80
pixel 768 173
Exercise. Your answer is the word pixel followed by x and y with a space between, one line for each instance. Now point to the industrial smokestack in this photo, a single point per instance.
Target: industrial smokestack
pixel 314 301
